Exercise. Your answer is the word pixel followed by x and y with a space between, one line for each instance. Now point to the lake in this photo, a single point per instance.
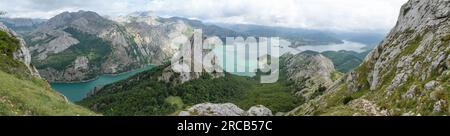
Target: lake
pixel 241 60
pixel 78 91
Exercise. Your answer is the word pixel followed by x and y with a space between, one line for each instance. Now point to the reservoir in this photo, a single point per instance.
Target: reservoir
pixel 77 91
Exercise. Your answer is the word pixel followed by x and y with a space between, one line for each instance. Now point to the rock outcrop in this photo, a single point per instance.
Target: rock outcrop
pixel 226 109
pixel 407 74
pixel 22 53
pixel 310 72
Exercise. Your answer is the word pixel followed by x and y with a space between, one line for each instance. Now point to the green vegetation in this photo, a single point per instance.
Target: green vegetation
pixel 9 45
pixel 345 61
pixel 23 94
pixel 33 97
pixel 94 48
pixel 152 97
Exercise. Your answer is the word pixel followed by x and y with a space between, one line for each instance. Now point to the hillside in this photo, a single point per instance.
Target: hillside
pixel 161 91
pixel 77 46
pixel 345 61
pixel 407 74
pixel 22 91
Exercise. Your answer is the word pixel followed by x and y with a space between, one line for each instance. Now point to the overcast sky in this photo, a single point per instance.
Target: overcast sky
pixel 347 15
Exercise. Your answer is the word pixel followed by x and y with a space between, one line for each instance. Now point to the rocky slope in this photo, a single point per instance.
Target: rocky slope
pixel 81 45
pixel 310 72
pixel 22 91
pixel 407 74
pixel 19 51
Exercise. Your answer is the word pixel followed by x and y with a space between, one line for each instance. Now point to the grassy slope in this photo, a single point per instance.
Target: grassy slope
pixel 34 97
pixel 23 94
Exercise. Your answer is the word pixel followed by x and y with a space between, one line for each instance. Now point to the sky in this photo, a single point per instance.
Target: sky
pixel 341 15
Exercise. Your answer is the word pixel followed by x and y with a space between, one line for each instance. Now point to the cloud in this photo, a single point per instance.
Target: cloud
pixel 346 15
pixel 316 14
pixel 50 8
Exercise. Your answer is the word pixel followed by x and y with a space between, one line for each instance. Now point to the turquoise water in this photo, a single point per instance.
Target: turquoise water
pixel 77 91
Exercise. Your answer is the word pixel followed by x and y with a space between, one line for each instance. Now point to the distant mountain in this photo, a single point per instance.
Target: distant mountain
pixel 208 29
pixel 76 46
pixel 368 38
pixel 297 36
pixel 22 26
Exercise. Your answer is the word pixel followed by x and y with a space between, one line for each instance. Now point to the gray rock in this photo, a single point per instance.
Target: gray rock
pixel 310 72
pixel 431 85
pixel 209 109
pixel 259 110
pixel 440 106
pixel 184 113
pixel 411 92
pixel 226 109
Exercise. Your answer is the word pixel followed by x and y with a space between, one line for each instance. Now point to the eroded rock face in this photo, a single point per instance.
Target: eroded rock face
pixel 178 74
pixel 226 109
pixel 412 62
pixel 133 42
pixel 75 72
pixel 22 54
pixel 311 72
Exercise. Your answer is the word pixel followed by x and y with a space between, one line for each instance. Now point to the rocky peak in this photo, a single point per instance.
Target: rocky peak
pixel 417 14
pixel 147 17
pixel 310 72
pixel 86 21
pixel 416 46
pixel 169 74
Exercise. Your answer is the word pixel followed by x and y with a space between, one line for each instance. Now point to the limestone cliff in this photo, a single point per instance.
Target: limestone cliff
pixel 310 72
pixel 21 53
pixel 407 74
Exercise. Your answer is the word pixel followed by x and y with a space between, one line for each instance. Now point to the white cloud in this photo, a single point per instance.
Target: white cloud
pixel 316 14
pixel 50 8
pixel 350 15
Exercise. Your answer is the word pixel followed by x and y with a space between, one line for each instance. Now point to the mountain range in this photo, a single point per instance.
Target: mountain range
pixel 79 46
